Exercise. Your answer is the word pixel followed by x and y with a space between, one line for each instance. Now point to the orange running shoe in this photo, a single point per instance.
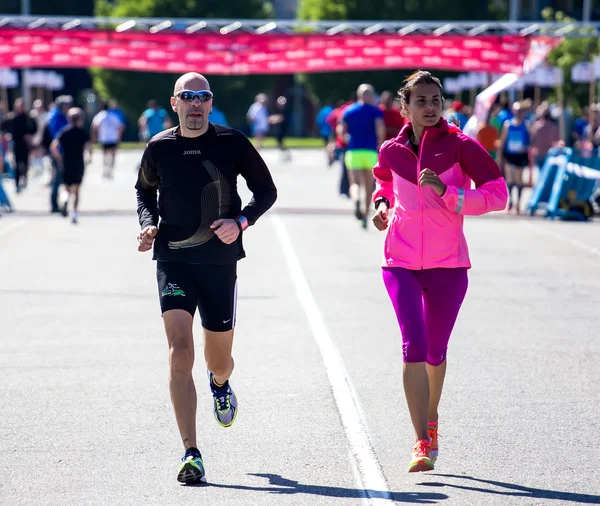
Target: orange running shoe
pixel 421 460
pixel 432 432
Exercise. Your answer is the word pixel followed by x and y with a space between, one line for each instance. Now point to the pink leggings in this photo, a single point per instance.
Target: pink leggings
pixel 426 303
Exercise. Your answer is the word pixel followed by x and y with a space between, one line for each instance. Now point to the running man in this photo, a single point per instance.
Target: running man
pixel 514 153
pixel 107 129
pixel 423 193
pixel 68 150
pixel 194 168
pixel 363 126
pixel 22 129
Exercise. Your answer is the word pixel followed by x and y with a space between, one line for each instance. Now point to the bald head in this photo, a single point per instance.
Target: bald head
pixel 191 81
pixel 365 93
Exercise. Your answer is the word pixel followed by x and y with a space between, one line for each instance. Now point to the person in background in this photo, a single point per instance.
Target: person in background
pixel 153 121
pixel 57 121
pixel 40 116
pixel 513 153
pixel 488 136
pixel 22 129
pixel 580 125
pixel 334 119
pixel 68 149
pixel 281 121
pixel 362 125
pixel 217 117
pixel 321 122
pixel 544 135
pixel 4 169
pixel 392 117
pixel 258 117
pixel 589 133
pixel 113 107
pixel 457 111
pixel 505 114
pixel 107 130
pixel 325 131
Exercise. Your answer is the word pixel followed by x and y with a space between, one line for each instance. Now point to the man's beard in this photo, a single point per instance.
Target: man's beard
pixel 193 123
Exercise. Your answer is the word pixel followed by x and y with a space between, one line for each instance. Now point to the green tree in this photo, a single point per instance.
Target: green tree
pixel 570 51
pixel 46 7
pixel 233 94
pixel 390 10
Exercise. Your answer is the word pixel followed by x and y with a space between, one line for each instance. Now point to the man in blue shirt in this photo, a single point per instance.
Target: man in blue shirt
pixel 363 126
pixel 153 121
pixel 217 117
pixel 57 121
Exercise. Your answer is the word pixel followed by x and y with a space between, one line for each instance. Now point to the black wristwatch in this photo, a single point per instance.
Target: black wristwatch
pixel 380 200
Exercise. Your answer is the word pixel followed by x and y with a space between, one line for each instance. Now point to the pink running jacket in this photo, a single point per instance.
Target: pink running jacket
pixel 426 230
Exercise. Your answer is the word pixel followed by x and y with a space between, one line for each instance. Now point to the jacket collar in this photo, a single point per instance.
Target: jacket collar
pixel 439 130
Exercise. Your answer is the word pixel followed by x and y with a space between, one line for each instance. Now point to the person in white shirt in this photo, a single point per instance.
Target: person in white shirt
pixel 258 116
pixel 107 129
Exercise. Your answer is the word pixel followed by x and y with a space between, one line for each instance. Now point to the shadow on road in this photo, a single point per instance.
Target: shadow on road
pixel 280 485
pixel 513 490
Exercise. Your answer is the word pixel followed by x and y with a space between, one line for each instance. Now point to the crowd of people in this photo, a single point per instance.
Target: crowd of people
pixel 518 137
pixel 57 143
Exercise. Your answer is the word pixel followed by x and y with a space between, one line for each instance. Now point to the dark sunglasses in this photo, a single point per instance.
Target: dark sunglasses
pixel 189 96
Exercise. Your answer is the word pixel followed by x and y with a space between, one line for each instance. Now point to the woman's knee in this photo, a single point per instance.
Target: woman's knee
pixel 414 351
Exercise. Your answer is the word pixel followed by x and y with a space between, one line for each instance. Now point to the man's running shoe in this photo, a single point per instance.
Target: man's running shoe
pixel 432 432
pixel 421 460
pixel 191 472
pixel 225 403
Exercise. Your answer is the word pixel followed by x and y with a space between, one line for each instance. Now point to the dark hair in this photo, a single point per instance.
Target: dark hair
pixel 413 80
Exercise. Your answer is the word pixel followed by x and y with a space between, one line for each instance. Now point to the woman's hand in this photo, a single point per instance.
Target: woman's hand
pixel 380 220
pixel 430 178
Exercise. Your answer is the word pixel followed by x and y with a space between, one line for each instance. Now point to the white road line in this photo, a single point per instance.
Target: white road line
pixel 371 477
pixel 562 237
pixel 11 226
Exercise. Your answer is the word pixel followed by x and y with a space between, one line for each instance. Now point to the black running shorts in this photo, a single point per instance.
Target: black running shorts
pixel 518 160
pixel 210 288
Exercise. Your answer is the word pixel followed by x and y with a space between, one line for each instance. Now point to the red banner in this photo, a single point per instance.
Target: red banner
pixel 241 53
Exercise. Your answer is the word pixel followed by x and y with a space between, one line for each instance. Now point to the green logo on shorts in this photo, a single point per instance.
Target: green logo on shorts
pixel 172 289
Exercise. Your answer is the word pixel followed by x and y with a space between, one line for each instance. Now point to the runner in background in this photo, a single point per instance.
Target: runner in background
pixel 363 127
pixel 107 129
pixel 392 117
pixel 513 152
pixel 68 149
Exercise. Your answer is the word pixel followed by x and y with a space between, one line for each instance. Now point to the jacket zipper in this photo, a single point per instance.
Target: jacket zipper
pixel 419 192
pixel 421 198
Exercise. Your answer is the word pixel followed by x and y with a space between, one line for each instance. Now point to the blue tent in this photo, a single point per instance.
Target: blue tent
pixel 566 184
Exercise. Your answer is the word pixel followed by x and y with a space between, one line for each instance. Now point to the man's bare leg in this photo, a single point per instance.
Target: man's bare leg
pixel 178 326
pixel 217 353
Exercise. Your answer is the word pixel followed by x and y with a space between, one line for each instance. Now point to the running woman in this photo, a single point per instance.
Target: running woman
pixel 194 168
pixel 514 153
pixel 363 126
pixel 423 182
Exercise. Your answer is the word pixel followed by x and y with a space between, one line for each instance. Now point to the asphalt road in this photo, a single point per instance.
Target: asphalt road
pixel 85 415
